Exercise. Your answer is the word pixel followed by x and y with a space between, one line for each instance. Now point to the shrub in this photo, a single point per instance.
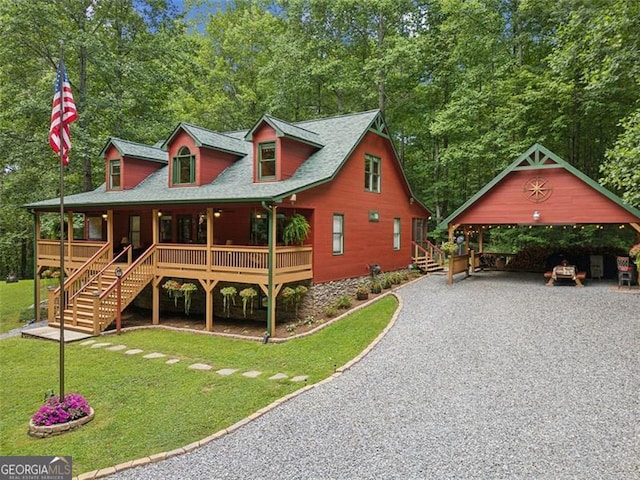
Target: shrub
pixel 54 411
pixel 343 302
pixel 331 311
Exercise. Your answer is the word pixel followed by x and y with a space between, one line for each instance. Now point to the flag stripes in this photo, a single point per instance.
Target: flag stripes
pixel 63 114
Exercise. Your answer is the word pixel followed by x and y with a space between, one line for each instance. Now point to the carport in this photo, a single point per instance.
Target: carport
pixel 538 189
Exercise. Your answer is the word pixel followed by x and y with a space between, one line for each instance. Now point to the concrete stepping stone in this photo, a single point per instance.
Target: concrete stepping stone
pixel 252 374
pixel 172 361
pixel 100 345
pixel 300 378
pixel 278 376
pixel 133 351
pixel 154 355
pixel 200 366
pixel 227 371
pixel 88 342
pixel 115 348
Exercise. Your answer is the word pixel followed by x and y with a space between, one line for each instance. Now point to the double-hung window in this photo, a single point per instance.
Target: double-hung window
pixel 184 167
pixel 115 180
pixel 396 234
pixel 338 234
pixel 267 161
pixel 371 174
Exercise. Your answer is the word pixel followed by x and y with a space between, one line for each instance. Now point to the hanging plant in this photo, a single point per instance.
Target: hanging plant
pixel 247 294
pixel 296 231
pixel 187 290
pixel 228 297
pixel 173 290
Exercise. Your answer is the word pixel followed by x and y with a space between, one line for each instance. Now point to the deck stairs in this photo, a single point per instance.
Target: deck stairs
pixel 427 258
pixel 93 306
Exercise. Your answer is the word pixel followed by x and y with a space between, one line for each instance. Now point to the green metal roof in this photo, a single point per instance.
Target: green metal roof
pixel 340 135
pixel 135 150
pixel 537 157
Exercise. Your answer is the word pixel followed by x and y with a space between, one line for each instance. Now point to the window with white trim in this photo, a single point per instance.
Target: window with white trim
pixel 338 234
pixel 267 161
pixel 371 173
pixel 184 167
pixel 396 234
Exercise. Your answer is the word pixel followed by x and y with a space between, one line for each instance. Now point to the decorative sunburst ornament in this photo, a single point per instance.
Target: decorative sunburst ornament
pixel 537 189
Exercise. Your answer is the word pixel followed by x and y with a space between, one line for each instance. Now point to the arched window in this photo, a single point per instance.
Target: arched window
pixel 184 167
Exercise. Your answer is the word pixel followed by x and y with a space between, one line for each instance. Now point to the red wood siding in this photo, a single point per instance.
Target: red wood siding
pixel 210 163
pixel 365 242
pixel 571 201
pixel 134 170
pixel 293 154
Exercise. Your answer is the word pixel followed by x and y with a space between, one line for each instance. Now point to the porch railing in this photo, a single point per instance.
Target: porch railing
pixel 78 251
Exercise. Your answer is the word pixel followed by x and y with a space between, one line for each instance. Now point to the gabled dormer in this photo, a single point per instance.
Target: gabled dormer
pixel 128 163
pixel 279 148
pixel 197 155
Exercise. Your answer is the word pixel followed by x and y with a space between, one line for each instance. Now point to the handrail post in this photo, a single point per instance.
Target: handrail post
pixel 96 310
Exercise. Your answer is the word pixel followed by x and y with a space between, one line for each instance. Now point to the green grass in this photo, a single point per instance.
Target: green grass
pixel 15 302
pixel 145 406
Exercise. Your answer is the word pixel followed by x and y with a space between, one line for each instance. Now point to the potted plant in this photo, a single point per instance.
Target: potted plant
pixel 187 290
pixel 449 248
pixel 362 292
pixel 296 231
pixel 375 286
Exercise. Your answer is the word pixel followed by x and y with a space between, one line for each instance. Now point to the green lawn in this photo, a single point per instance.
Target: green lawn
pixel 144 406
pixel 15 302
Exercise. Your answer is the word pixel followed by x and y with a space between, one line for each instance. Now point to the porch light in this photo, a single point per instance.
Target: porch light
pixel 536 216
pixel 293 198
pixel 105 216
pixel 159 213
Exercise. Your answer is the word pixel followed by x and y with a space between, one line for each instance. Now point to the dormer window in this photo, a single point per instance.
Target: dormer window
pixel 267 161
pixel 184 167
pixel 114 175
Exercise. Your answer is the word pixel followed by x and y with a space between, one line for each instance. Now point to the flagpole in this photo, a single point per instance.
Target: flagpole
pixel 61 161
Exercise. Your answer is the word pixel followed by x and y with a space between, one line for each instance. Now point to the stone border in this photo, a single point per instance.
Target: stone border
pixel 221 433
pixel 44 431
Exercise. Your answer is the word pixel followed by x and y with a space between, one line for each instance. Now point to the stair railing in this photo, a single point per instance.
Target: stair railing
pixel 133 280
pixel 76 282
pixel 72 302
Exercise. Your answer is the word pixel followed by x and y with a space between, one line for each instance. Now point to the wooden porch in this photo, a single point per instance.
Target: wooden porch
pixel 89 299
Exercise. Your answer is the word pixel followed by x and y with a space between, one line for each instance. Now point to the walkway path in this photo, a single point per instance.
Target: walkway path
pixel 194 366
pixel 497 377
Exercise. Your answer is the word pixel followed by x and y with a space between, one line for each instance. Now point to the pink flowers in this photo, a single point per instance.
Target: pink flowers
pixel 54 411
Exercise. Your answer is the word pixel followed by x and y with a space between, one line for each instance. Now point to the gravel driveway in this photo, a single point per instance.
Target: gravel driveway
pixel 495 377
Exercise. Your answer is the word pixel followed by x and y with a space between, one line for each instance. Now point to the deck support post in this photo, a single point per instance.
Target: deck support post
pixel 155 308
pixel 208 286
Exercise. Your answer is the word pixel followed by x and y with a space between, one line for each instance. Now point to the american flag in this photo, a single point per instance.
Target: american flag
pixel 69 114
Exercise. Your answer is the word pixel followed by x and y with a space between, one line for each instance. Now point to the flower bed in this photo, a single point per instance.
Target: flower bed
pixel 56 417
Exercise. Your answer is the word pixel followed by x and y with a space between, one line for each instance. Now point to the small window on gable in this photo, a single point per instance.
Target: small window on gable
pixel 371 174
pixel 114 175
pixel 184 167
pixel 267 161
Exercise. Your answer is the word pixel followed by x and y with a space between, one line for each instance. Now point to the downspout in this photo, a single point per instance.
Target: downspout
pixel 271 255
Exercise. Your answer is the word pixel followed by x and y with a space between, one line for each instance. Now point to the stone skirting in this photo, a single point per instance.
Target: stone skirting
pixel 43 431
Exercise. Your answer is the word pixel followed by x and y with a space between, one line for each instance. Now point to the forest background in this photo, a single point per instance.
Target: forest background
pixel 465 86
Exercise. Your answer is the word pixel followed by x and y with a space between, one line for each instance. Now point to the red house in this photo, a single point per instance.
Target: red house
pixel 212 207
